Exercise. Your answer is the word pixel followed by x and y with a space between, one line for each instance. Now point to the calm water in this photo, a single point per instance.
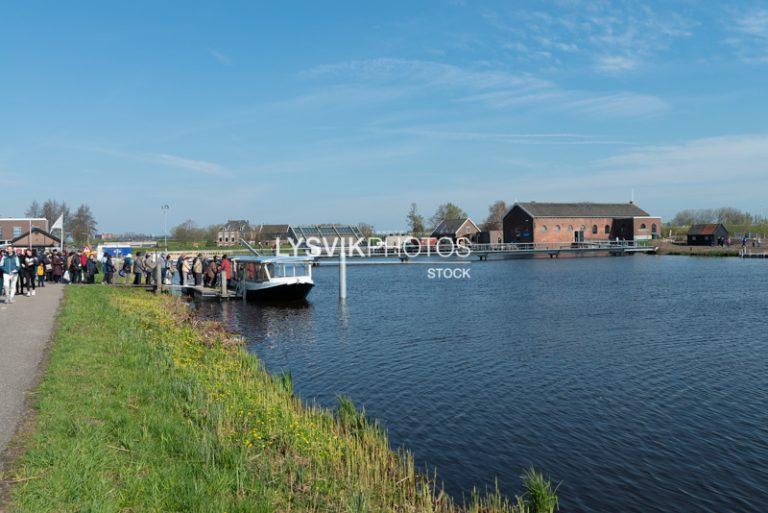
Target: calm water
pixel 640 383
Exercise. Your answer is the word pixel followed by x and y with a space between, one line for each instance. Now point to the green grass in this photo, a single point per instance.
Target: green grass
pixel 146 409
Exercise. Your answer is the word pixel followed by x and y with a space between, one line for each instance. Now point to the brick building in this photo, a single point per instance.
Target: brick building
pixel 234 230
pixel 16 230
pixel 578 222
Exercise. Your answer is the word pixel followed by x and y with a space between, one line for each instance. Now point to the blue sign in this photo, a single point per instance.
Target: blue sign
pixel 118 252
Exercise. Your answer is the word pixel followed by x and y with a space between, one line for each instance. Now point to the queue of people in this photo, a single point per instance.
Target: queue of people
pixel 24 270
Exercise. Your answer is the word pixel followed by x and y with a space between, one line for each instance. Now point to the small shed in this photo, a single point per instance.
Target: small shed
pixel 707 234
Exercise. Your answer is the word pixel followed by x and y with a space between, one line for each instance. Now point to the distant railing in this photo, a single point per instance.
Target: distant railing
pixel 509 247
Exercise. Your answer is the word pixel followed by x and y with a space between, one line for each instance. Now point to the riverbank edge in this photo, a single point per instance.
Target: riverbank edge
pixel 696 251
pixel 145 407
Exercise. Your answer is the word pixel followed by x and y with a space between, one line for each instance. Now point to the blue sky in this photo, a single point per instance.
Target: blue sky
pixel 307 112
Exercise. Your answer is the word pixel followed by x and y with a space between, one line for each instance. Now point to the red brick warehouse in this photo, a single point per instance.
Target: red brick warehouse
pixel 578 222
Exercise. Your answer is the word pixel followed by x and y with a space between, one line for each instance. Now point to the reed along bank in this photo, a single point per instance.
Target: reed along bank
pixel 143 407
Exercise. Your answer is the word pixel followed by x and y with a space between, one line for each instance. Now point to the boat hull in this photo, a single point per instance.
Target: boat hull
pixel 283 292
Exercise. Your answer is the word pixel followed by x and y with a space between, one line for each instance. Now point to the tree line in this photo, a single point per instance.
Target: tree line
pixel 418 225
pixel 724 215
pixel 80 225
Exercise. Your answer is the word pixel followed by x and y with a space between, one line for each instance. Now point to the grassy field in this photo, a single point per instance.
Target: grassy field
pixel 144 408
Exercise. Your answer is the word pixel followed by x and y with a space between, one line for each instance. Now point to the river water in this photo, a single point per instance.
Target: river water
pixel 639 383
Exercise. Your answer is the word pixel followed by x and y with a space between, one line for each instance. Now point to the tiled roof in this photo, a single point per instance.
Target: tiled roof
pixel 704 229
pixel 449 226
pixel 582 209
pixel 236 225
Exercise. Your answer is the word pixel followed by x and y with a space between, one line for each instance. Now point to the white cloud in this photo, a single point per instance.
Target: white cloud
pixel 505 137
pixel 387 78
pixel 221 57
pixel 750 40
pixel 619 104
pixel 732 159
pixel 201 166
pixel 615 64
pixel 617 37
pixel 424 73
pixel 753 23
pixel 163 159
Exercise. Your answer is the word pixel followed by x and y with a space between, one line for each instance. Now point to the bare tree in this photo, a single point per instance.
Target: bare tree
pixel 415 221
pixel 495 217
pixel 34 210
pixel 188 231
pixel 366 229
pixel 83 225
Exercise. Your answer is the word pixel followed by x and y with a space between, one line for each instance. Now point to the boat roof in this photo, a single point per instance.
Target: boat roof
pixel 279 259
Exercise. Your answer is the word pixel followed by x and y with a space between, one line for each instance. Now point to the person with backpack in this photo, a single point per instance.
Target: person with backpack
pixel 11 266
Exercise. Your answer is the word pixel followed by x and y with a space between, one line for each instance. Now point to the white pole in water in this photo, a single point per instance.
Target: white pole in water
pixel 342 272
pixel 223 278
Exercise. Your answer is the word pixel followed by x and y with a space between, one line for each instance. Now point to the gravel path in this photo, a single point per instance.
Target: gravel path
pixel 25 330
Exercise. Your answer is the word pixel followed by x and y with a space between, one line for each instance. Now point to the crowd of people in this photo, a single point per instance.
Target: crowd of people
pixel 22 271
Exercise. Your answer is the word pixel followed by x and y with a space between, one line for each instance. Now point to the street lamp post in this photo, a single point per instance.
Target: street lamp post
pixel 165 208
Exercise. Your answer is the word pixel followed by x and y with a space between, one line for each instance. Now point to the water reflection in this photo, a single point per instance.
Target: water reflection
pixel 639 382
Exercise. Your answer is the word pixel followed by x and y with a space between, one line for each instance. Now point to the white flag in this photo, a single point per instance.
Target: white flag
pixel 59 224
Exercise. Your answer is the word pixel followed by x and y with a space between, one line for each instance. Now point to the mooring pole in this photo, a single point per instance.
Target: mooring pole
pixel 223 275
pixel 342 272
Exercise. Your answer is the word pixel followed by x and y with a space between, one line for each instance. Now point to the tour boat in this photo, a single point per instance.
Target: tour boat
pixel 279 278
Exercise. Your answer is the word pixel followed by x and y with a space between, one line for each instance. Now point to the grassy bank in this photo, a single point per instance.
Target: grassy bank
pixel 144 408
pixel 667 248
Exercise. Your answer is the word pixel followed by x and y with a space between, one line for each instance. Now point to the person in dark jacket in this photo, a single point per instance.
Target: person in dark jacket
pixel 91 269
pixel 57 264
pixel 108 269
pixel 28 267
pixel 75 268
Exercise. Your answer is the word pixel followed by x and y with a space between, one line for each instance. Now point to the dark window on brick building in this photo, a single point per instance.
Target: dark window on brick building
pixel 594 229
